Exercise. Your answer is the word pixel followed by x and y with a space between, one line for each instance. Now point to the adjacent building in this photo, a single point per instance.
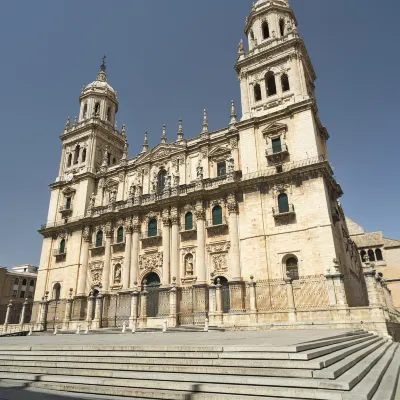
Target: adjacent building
pixel 17 285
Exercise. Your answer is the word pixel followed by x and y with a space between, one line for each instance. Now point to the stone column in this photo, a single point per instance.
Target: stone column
pixel 67 312
pixel 8 313
pixel 96 323
pixel 369 274
pixel 218 303
pixel 44 305
pixel 173 314
pixel 166 246
pixel 89 311
pixel 290 298
pixel 234 237
pixel 105 280
pixel 134 308
pixel 201 243
pixel 143 306
pixel 127 255
pixel 336 289
pixel 135 254
pixel 252 300
pixel 244 96
pixel 84 261
pixel 174 244
pixel 23 311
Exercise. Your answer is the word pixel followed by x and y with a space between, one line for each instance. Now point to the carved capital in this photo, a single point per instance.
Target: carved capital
pixel 231 203
pixel 86 234
pixel 108 230
pixel 136 228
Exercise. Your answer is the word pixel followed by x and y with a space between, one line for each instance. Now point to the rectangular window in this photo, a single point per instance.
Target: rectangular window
pixel 276 145
pixel 14 293
pixel 68 203
pixel 221 168
pixel 22 295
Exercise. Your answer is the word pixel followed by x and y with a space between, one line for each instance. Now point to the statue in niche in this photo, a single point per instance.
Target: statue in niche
pixel 199 170
pixel 113 196
pixel 132 191
pixel 92 200
pixel 189 265
pixel 117 274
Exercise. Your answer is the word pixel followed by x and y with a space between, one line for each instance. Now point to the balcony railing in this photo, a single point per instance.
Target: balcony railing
pixel 65 210
pixel 59 252
pixel 97 245
pixel 151 235
pixel 277 155
pixel 282 214
pixel 210 223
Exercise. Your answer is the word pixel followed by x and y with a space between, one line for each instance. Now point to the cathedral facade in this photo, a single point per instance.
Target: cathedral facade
pixel 238 225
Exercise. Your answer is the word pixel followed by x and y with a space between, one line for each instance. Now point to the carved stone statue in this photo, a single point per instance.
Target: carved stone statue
pixel 199 170
pixel 117 274
pixel 189 265
pixel 92 200
pixel 132 191
pixel 113 196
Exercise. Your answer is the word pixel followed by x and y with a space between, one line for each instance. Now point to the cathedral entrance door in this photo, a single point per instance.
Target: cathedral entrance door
pixel 153 288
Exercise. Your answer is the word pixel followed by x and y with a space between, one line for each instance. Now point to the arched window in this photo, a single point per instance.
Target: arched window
pixel 99 239
pixel 217 215
pixel 292 268
pixel 15 287
pixel 285 83
pixel 257 92
pixel 84 155
pixel 282 27
pixel 283 203
pixel 108 116
pixel 251 35
pixel 371 255
pixel 68 203
pixel 221 168
pixel 24 282
pixel 265 30
pixel 188 221
pixel 152 228
pixel 62 246
pixel 69 162
pixel 32 283
pixel 56 291
pixel 120 235
pixel 363 254
pixel 16 282
pixel 161 180
pixel 84 115
pixel 270 83
pixel 378 254
pixel 97 109
pixel 76 154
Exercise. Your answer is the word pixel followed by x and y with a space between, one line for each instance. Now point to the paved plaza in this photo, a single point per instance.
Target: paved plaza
pixel 172 338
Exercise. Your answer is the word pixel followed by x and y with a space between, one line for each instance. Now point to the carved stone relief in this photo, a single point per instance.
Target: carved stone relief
pixel 96 271
pixel 151 262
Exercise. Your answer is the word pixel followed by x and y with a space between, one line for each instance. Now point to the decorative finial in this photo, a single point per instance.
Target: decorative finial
pixel 164 134
pixel 68 123
pixel 205 122
pixel 125 151
pixel 116 125
pixel 74 121
pixel 233 120
pixel 241 47
pixel 145 143
pixel 102 74
pixel 180 131
pixel 123 131
pixel 103 65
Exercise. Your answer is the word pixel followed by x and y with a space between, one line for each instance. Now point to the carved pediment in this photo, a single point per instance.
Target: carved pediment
pixel 110 184
pixel 69 191
pixel 275 129
pixel 159 152
pixel 219 151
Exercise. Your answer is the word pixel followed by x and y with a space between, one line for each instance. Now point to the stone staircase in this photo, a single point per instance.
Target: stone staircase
pixel 357 365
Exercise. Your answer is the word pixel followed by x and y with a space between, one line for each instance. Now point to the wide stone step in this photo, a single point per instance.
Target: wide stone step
pixel 228 370
pixel 368 386
pixel 178 386
pixel 388 386
pixel 337 369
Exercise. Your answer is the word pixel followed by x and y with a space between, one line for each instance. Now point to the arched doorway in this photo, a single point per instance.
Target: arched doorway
pixel 226 298
pixel 153 287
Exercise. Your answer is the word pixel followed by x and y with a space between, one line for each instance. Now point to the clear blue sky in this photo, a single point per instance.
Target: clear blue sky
pixel 170 59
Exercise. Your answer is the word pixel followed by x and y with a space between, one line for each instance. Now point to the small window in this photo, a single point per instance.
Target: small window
pixel 271 84
pixel 292 268
pixel 68 203
pixel 221 168
pixel 114 160
pixel 62 246
pixel 99 239
pixel 378 255
pixel 108 159
pixel 152 228
pixel 363 254
pixel 97 109
pixel 161 180
pixel 32 283
pixel 120 235
pixel 285 83
pixel 24 282
pixel 217 215
pixel 276 145
pixel 69 162
pixel 84 155
pixel 251 35
pixel 22 294
pixel 282 27
pixel 257 92
pixel 76 154
pixel 188 221
pixel 265 30
pixel 279 169
pixel 108 116
pixel 84 115
pixel 283 203
pixel 371 255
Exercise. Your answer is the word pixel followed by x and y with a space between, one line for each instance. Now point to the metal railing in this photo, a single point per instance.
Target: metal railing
pixel 211 223
pixel 272 152
pixel 64 208
pixel 150 235
pixel 59 252
pixel 276 212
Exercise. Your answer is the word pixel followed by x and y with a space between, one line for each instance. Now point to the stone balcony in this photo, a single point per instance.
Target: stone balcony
pixel 277 156
pixel 188 234
pixel 65 211
pixel 284 216
pixel 217 229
